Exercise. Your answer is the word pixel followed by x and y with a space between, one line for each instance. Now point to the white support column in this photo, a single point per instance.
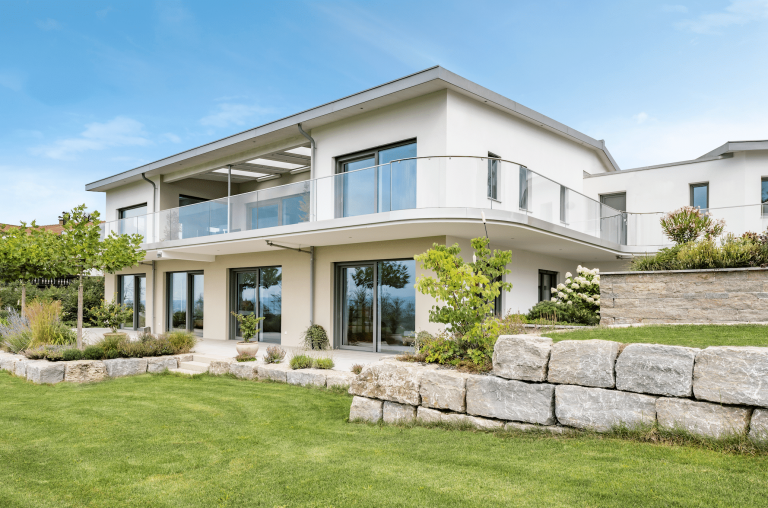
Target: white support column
pixel 229 194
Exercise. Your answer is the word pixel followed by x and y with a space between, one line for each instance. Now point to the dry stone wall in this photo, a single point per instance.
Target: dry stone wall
pixel 728 295
pixel 592 384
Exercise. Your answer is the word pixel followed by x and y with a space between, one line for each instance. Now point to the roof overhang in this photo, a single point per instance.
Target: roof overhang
pixel 283 134
pixel 736 146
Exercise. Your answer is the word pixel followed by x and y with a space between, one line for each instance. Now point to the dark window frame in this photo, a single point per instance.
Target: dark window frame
pixel 120 281
pixel 121 211
pixel 232 332
pixel 764 204
pixel 546 272
pixel 186 196
pixel 190 300
pixel 696 185
pixel 493 176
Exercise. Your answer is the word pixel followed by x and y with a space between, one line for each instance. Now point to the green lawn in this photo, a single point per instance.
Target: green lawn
pixel 699 336
pixel 207 441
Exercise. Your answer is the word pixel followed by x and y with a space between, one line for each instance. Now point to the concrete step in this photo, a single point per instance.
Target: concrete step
pixel 185 371
pixel 205 358
pixel 195 366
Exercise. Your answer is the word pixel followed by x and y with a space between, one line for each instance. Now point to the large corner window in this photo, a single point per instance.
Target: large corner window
pixel 493 176
pixel 185 302
pixel 200 217
pixel 132 220
pixel 132 292
pixel 764 196
pixel 700 195
pixel 376 180
pixel 376 305
pixel 547 281
pixel 258 291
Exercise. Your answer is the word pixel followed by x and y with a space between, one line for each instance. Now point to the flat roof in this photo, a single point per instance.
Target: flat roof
pixel 414 85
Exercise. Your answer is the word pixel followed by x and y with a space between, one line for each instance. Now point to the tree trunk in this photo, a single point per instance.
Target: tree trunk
pixel 23 299
pixel 80 314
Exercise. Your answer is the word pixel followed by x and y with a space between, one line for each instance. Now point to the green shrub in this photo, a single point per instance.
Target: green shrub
pixel 95 352
pixel 315 337
pixel 688 224
pixel 245 358
pixel 93 293
pixel 323 363
pixel 730 251
pixel 357 368
pixel 181 341
pixel 111 345
pixel 301 362
pixel 72 354
pixel 111 314
pixel 249 325
pixel 274 354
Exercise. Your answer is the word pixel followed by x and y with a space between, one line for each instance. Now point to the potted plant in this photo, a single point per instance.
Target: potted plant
pixel 249 327
pixel 112 315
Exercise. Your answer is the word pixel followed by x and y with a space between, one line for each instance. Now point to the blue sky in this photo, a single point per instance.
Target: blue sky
pixel 92 88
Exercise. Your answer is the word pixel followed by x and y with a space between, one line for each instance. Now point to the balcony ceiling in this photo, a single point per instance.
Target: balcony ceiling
pixel 265 166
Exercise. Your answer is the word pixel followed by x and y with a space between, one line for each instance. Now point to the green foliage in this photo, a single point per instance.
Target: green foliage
pixel 15 333
pixel 112 314
pixel 323 363
pixel 93 293
pixel 580 295
pixel 249 325
pixel 95 352
pixel 357 368
pixel 301 362
pixel 730 251
pixel 688 224
pixel 245 358
pixel 46 326
pixel 72 354
pixel 274 354
pixel 28 253
pixel 110 344
pixel 315 337
pixel 181 341
pixel 466 290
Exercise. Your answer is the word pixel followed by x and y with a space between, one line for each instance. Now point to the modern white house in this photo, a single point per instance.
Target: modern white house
pixel 316 218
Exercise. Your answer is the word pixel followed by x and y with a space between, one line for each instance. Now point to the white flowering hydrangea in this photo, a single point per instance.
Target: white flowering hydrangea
pixel 582 290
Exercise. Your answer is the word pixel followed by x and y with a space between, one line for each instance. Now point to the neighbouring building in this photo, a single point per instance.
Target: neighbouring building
pixel 316 217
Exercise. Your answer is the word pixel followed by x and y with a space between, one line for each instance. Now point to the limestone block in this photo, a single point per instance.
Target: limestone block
pixel 219 367
pixel 758 427
pixel 389 380
pixel 455 419
pixel 398 413
pixel 507 399
pixel 444 389
pixel 703 418
pixel 522 357
pixel 85 371
pixel 9 362
pixel 184 358
pixel 45 372
pixel 732 375
pixel 243 370
pixel 21 367
pixel 656 369
pixel 157 364
pixel 369 410
pixel 484 423
pixel 120 367
pixel 338 378
pixel 583 362
pixel 527 427
pixel 273 371
pixel 598 409
pixel 304 377
pixel 427 415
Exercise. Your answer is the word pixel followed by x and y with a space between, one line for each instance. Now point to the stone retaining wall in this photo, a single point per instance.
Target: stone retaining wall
pixel 729 295
pixel 590 384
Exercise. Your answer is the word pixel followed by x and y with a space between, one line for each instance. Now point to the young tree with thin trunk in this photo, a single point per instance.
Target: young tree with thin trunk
pixel 83 251
pixel 27 253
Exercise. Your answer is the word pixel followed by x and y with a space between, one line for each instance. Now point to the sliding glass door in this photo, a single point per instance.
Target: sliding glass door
pixel 186 301
pixel 132 291
pixel 376 305
pixel 258 291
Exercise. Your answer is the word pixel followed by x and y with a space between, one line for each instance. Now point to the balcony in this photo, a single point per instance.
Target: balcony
pixel 412 184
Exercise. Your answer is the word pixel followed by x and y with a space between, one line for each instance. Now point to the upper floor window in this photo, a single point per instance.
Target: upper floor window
pixel 132 211
pixel 132 220
pixel 376 180
pixel 764 195
pixel 700 195
pixel 493 176
pixel 189 200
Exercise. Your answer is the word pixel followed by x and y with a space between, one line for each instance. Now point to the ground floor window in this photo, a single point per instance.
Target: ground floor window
pixel 185 301
pixel 376 305
pixel 547 280
pixel 132 291
pixel 258 291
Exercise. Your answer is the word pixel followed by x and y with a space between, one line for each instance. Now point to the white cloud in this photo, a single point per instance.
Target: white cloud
pixel 674 8
pixel 120 131
pixel 641 117
pixel 232 114
pixel 12 80
pixel 738 12
pixel 173 138
pixel 48 24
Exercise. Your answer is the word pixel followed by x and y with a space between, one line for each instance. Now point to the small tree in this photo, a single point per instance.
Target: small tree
pixel 688 224
pixel 112 314
pixel 468 290
pixel 27 253
pixel 249 325
pixel 83 250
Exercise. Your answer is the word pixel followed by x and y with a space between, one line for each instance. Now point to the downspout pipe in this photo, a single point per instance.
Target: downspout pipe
pixel 154 192
pixel 154 209
pixel 313 147
pixel 313 158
